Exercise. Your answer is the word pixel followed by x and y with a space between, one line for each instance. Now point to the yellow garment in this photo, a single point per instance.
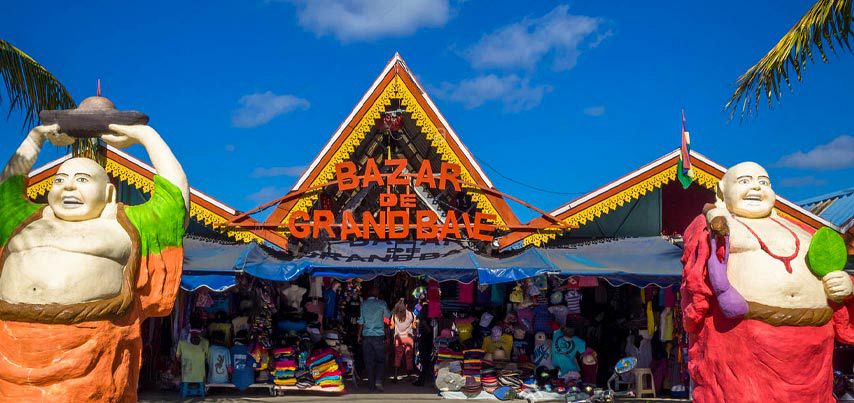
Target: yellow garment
pixel 505 343
pixel 650 319
pixel 666 324
pixel 465 331
pixel 192 361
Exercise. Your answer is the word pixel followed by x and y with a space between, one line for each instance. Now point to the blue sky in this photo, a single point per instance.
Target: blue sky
pixel 563 96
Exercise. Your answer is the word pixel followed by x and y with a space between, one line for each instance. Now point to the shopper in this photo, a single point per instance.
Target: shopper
pixel 425 348
pixel 402 321
pixel 371 334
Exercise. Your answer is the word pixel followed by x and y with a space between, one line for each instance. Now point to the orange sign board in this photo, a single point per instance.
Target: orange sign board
pixel 395 222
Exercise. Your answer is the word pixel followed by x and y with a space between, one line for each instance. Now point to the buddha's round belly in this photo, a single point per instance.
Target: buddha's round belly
pixel 763 279
pixel 54 276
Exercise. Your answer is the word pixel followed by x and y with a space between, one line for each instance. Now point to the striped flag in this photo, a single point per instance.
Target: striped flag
pixel 684 169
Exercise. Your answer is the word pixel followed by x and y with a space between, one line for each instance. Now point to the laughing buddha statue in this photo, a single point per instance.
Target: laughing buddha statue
pixel 80 274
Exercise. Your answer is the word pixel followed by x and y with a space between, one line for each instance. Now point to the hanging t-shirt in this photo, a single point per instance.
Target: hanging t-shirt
pixel 484 295
pixel 573 301
pixel 466 293
pixel 543 354
pixel 464 327
pixel 498 297
pixel 244 371
pixel 315 287
pixel 564 351
pixel 224 328
pixel 219 359
pixel 542 319
pixel 240 323
pixel 192 361
pixel 526 319
pixel 666 322
pixel 330 303
pixel 505 342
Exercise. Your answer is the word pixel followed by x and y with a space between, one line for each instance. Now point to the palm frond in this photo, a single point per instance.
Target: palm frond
pixel 825 26
pixel 30 88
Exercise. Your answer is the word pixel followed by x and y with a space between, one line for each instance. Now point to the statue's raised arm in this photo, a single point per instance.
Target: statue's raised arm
pixel 25 156
pixel 162 158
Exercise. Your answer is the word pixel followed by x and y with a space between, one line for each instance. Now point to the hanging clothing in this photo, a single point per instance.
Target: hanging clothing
pixel 645 353
pixel 666 323
pixel 573 301
pixel 315 287
pixel 466 293
pixel 650 318
pixel 434 307
pixel 564 351
pixel 219 360
pixel 192 358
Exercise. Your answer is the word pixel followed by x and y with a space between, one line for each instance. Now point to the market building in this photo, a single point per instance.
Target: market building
pixel 396 201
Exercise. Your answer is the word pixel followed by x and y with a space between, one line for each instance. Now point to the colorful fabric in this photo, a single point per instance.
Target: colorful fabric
pixel 684 168
pixel 466 293
pixel 434 306
pixel 244 371
pixel 564 352
pixel 573 301
pixel 505 342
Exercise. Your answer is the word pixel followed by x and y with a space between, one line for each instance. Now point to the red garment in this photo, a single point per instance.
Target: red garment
pixel 434 307
pixel 466 293
pixel 738 360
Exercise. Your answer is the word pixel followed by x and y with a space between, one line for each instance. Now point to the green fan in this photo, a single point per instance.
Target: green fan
pixel 827 252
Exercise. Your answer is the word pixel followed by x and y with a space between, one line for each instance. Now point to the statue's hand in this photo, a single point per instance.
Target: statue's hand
pixel 837 285
pixel 126 136
pixel 717 219
pixel 52 133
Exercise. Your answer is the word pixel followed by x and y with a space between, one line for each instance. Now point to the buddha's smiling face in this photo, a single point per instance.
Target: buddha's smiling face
pixel 747 192
pixel 80 191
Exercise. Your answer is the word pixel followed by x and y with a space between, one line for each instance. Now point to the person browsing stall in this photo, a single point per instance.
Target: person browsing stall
pixel 371 335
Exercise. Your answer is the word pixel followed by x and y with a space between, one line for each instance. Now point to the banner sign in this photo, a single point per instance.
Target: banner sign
pixel 395 222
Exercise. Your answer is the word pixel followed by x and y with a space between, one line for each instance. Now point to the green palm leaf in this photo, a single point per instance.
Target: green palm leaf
pixel 30 88
pixel 826 25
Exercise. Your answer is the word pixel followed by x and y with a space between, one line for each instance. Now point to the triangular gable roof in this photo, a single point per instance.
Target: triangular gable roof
pixel 121 165
pixel 395 82
pixel 636 184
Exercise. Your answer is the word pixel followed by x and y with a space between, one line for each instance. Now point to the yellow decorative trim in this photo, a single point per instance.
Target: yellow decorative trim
pixel 141 182
pixel 705 179
pixel 39 189
pixel 396 89
pixel 129 176
pixel 606 206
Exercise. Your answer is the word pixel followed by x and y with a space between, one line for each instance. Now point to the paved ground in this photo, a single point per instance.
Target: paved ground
pixel 393 393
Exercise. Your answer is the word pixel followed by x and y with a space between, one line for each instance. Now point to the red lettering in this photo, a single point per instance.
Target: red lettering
pixel 449 173
pixel 345 172
pixel 378 226
pixel 388 199
pixel 451 227
pixel 299 229
pixel 393 231
pixel 372 173
pixel 323 220
pixel 349 226
pixel 425 225
pixel 407 200
pixel 396 177
pixel 425 175
pixel 483 229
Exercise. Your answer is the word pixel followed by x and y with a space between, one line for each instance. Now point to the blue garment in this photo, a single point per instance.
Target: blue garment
pixel 219 359
pixel 373 311
pixel 330 301
pixel 288 325
pixel 564 351
pixel 244 367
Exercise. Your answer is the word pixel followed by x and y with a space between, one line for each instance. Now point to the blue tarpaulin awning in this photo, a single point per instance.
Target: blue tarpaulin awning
pixel 209 264
pixel 637 261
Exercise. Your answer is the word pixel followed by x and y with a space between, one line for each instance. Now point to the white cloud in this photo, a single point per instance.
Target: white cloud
pixel 354 20
pixel 594 111
pixel 259 108
pixel 267 193
pixel 801 181
pixel 523 44
pixel 601 38
pixel 261 172
pixel 837 154
pixel 515 93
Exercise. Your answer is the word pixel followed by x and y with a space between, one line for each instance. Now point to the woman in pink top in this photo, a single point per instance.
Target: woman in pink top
pixel 402 320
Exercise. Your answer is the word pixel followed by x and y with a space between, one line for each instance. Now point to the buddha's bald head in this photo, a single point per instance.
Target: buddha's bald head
pixel 746 190
pixel 81 189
